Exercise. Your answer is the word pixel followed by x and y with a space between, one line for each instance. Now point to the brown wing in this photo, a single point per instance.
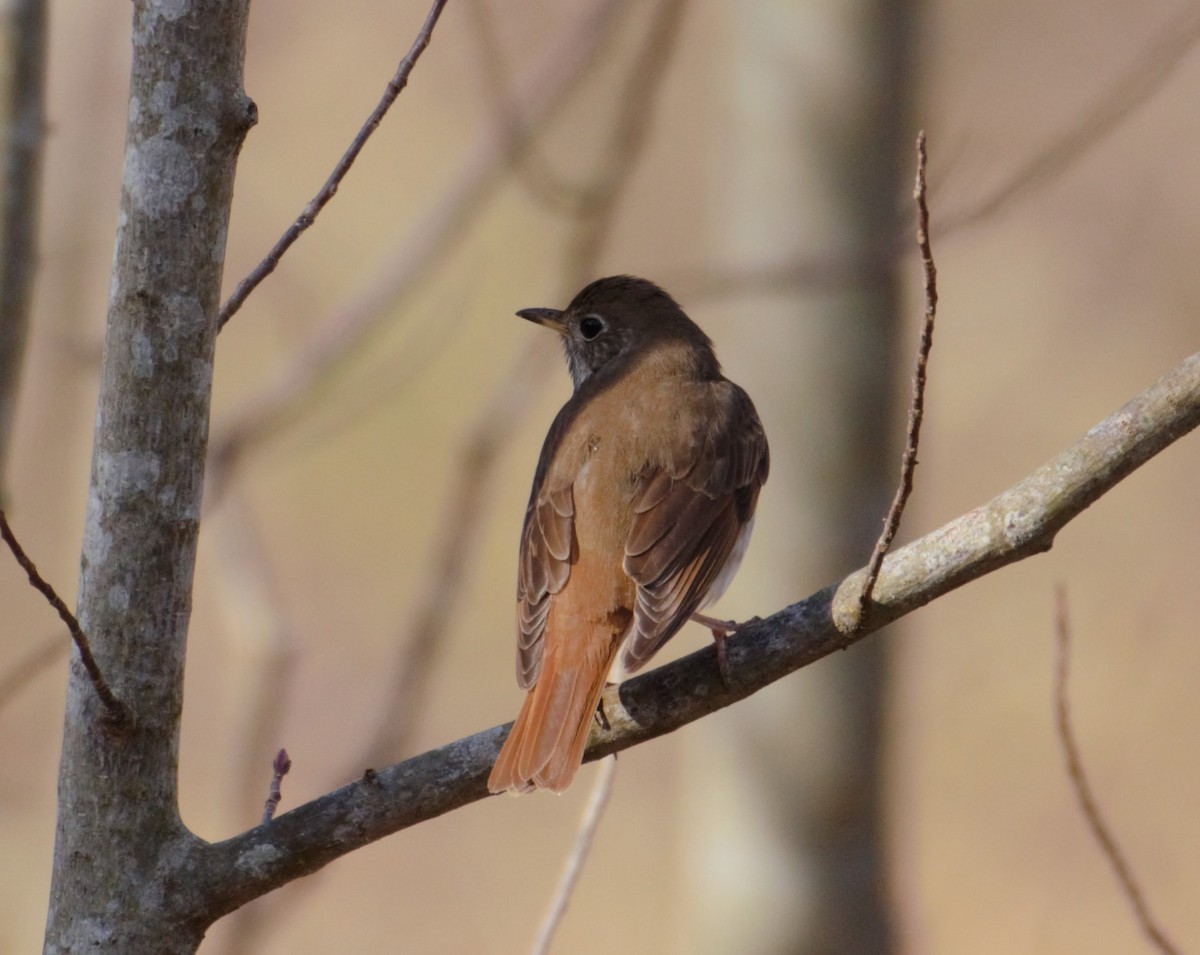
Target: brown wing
pixel 547 552
pixel 688 518
pixel 548 547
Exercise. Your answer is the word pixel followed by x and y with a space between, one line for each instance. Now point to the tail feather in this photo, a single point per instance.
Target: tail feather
pixel 545 747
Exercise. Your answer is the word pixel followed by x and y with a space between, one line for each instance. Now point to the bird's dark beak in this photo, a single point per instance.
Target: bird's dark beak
pixel 550 317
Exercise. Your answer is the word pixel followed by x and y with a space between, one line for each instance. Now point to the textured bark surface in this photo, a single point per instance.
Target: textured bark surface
pixel 119 837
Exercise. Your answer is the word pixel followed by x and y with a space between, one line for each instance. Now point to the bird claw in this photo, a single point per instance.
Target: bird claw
pixel 601 717
pixel 721 630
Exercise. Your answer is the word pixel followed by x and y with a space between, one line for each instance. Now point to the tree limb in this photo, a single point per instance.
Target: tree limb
pixel 1019 523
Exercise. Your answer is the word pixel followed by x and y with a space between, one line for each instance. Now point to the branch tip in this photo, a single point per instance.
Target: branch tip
pixel 916 410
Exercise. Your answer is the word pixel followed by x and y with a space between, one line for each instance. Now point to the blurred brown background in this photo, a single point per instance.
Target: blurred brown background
pixel 1056 307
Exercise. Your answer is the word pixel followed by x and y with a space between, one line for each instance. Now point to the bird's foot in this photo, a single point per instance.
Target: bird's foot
pixel 601 717
pixel 720 630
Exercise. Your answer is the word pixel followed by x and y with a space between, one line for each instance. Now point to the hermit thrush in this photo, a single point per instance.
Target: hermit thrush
pixel 641 509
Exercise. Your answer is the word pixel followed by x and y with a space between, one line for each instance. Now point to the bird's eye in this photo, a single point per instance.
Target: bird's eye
pixel 591 326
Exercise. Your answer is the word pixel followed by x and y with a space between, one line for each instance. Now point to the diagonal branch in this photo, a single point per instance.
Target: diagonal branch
pixel 1083 788
pixel 1019 523
pixel 318 202
pixel 115 711
pixel 549 86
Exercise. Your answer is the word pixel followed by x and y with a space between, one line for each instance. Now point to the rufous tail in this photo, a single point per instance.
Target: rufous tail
pixel 544 750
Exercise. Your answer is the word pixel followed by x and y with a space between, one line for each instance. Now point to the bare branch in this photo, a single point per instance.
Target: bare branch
pixel 1019 523
pixel 116 712
pixel 250 593
pixel 1083 789
pixel 306 218
pixel 916 411
pixel 415 258
pixel 592 814
pixel 259 619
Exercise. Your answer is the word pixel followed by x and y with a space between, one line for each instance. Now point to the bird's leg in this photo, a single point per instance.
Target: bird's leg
pixel 720 630
pixel 601 717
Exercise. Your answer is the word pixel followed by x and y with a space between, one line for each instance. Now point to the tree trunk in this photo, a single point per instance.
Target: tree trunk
pixel 820 150
pixel 119 839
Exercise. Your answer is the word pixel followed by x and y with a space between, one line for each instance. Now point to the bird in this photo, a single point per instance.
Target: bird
pixel 641 508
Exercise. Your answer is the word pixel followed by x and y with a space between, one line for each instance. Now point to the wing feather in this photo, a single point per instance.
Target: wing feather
pixel 689 517
pixel 548 549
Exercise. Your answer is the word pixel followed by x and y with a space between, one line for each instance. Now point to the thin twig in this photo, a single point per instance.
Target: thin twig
pixel 567 61
pixel 592 814
pixel 318 202
pixel 280 765
pixel 916 411
pixel 116 711
pixel 250 592
pixel 1083 789
pixel 258 617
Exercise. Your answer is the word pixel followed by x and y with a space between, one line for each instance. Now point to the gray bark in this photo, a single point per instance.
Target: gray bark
pixel 116 883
